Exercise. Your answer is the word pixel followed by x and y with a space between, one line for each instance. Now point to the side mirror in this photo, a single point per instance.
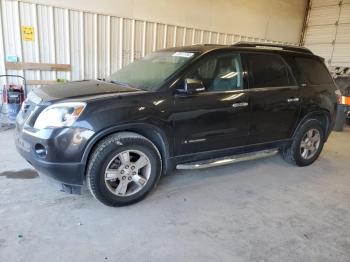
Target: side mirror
pixel 193 86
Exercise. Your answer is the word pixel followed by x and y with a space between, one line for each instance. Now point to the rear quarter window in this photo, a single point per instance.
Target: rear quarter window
pixel 312 71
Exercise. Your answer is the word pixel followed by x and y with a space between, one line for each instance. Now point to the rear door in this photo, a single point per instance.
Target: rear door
pixel 274 97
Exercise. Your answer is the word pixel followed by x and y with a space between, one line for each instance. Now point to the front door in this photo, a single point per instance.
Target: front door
pixel 217 118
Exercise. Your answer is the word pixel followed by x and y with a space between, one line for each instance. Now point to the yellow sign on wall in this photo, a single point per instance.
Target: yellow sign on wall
pixel 27 33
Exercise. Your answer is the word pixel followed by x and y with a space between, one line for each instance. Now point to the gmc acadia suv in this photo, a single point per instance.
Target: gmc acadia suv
pixel 186 107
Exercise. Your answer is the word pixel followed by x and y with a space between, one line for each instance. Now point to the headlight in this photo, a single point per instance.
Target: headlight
pixel 59 115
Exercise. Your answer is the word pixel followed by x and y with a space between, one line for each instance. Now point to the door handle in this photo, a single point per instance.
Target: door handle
pixel 293 99
pixel 242 104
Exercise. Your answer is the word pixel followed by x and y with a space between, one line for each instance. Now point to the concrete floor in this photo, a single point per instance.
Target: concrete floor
pixel 262 210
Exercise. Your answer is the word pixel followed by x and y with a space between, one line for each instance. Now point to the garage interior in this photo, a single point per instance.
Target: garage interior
pixel 260 210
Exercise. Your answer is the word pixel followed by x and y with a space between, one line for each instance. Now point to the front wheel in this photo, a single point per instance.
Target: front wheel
pixel 307 144
pixel 123 169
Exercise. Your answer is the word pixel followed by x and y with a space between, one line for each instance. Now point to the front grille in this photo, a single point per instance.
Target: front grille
pixel 29 112
pixel 34 114
pixel 27 108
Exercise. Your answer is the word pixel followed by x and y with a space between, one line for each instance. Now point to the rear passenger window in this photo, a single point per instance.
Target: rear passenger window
pixel 312 71
pixel 268 70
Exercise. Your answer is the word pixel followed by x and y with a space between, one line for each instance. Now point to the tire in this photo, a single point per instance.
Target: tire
pixel 111 181
pixel 294 153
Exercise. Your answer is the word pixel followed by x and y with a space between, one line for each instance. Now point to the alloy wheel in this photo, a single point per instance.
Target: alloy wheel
pixel 127 173
pixel 310 143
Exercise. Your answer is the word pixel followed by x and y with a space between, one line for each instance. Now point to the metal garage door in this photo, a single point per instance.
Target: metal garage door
pixel 328 31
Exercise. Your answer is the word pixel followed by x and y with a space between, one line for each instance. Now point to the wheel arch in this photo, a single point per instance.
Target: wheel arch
pixel 323 116
pixel 156 135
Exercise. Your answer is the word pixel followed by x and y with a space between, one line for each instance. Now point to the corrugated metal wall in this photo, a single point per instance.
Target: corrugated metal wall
pixel 94 44
pixel 328 31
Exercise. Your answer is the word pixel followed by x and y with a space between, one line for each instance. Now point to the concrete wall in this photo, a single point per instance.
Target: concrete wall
pixel 279 20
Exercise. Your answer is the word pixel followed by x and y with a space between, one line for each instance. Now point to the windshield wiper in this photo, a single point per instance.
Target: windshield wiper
pixel 122 83
pixel 125 84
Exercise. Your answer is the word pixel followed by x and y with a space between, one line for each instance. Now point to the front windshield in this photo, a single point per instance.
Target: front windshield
pixel 151 71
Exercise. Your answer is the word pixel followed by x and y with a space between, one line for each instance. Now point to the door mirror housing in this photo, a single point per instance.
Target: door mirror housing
pixel 193 86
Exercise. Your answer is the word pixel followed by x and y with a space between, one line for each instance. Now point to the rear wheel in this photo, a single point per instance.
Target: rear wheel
pixel 307 144
pixel 123 169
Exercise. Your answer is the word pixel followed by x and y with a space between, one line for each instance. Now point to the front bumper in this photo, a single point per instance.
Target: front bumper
pixel 55 153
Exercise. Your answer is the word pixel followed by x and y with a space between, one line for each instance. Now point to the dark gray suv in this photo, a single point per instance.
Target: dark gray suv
pixel 187 107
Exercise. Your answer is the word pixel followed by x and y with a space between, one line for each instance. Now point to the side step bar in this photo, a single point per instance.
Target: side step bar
pixel 228 159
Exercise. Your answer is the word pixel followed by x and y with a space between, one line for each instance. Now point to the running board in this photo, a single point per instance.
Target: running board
pixel 228 159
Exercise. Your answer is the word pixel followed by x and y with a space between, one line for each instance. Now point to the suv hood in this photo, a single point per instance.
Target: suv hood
pixel 80 89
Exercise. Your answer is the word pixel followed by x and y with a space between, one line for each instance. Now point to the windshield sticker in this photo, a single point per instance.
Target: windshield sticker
pixel 183 54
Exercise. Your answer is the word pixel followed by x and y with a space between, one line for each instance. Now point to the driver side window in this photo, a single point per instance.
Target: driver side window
pixel 219 73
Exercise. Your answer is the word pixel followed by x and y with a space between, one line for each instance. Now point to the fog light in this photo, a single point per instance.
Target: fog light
pixel 77 138
pixel 40 150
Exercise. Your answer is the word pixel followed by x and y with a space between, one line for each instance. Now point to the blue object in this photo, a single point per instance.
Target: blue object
pixel 13 110
pixel 11 58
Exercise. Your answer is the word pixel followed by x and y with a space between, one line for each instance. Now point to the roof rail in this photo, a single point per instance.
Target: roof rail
pixel 212 44
pixel 273 46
